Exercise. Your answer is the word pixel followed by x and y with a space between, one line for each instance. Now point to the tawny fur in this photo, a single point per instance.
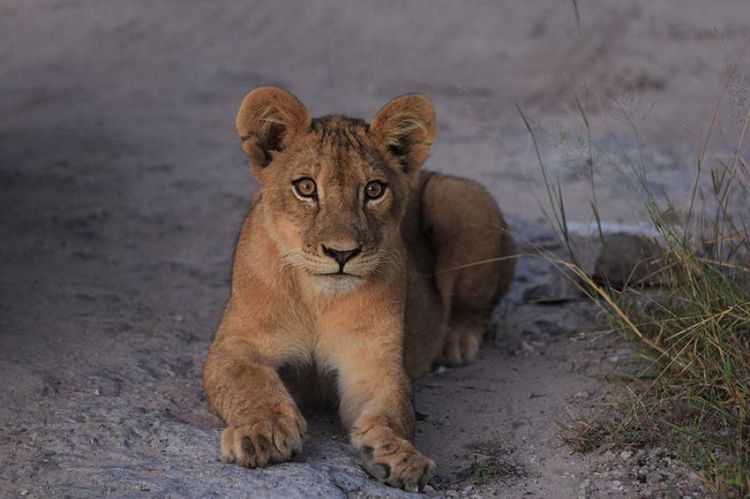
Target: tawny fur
pixel 433 255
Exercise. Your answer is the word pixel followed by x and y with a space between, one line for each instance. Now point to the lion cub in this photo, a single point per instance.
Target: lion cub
pixel 356 266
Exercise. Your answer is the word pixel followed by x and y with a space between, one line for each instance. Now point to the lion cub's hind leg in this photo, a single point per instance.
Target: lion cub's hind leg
pixel 464 338
pixel 474 264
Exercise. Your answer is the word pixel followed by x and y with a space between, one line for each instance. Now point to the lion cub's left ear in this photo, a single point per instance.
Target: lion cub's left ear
pixel 406 127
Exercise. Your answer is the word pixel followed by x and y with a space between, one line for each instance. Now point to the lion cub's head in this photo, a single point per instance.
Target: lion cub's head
pixel 334 189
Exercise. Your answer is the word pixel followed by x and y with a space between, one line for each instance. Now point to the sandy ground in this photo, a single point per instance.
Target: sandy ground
pixel 122 187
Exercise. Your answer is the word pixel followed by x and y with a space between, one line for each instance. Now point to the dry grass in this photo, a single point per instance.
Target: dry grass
pixel 693 393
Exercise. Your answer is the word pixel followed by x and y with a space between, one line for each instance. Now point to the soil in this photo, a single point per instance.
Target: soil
pixel 122 188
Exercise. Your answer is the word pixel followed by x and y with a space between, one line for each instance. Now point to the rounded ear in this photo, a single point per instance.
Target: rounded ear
pixel 268 118
pixel 406 127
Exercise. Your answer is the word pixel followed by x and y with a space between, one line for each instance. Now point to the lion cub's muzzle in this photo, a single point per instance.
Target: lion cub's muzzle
pixel 341 256
pixel 351 263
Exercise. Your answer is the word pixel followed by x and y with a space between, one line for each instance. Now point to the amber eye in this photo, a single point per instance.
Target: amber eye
pixel 374 189
pixel 305 187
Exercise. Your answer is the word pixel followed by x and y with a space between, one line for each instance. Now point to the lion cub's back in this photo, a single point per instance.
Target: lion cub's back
pixel 425 321
pixel 460 260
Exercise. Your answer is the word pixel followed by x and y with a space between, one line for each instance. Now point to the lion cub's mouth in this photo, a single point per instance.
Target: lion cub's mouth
pixel 337 282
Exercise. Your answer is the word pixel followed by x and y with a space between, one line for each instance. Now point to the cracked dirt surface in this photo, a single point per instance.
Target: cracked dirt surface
pixel 122 188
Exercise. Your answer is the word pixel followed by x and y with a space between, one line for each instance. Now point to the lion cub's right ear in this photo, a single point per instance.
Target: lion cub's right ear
pixel 268 118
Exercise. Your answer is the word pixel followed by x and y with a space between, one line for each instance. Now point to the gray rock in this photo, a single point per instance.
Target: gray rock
pixel 624 255
pixel 552 288
pixel 654 478
pixel 628 259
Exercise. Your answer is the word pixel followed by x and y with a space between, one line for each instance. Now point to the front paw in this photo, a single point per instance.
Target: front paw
pixel 396 462
pixel 271 436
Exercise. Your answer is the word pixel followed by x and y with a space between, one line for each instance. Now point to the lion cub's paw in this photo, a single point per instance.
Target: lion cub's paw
pixel 397 463
pixel 271 437
pixel 461 350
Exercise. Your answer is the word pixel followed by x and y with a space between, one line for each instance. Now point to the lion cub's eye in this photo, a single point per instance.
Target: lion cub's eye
pixel 375 189
pixel 305 187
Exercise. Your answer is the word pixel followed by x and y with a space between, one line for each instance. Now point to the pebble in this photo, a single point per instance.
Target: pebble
pixel 583 489
pixel 622 354
pixel 582 395
pixel 654 478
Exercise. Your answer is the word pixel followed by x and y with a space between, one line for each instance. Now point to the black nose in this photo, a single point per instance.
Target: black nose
pixel 342 256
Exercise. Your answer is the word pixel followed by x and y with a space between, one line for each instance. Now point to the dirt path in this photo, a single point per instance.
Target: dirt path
pixel 122 188
pixel 492 426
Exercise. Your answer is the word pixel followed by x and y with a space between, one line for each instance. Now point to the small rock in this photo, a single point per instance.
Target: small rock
pixel 583 487
pixel 531 348
pixel 627 259
pixel 626 454
pixel 552 287
pixel 582 395
pixel 623 353
pixel 654 478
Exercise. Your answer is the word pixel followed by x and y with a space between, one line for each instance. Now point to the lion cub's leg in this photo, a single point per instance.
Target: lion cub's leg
pixel 474 259
pixel 376 404
pixel 263 423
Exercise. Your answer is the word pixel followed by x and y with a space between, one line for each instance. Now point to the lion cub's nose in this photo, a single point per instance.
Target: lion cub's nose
pixel 342 256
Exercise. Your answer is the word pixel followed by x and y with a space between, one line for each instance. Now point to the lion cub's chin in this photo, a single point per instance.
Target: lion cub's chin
pixel 336 283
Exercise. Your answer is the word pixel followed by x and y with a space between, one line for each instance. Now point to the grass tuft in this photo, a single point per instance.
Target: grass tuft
pixel 693 393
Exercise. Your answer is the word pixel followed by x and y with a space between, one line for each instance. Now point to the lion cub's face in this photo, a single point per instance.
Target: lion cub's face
pixel 334 189
pixel 335 202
